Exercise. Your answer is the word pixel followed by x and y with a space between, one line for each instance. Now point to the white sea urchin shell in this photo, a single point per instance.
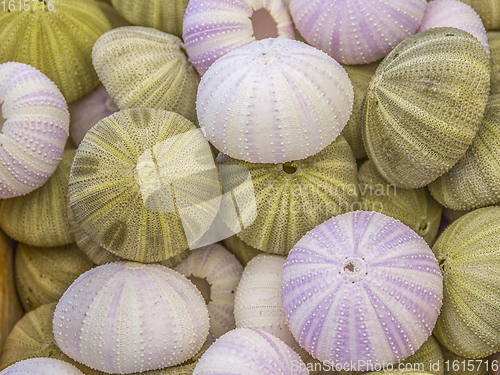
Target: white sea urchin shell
pixel 127 317
pixel 41 366
pixel 274 101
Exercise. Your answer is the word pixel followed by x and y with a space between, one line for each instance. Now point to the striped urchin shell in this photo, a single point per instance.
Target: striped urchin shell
pixel 87 111
pixel 425 104
pixel 360 76
pixel 164 15
pixel 212 28
pixel 119 307
pixel 63 38
pixel 244 351
pixel 273 101
pixel 468 255
pixel 42 366
pixel 145 68
pixel 361 285
pixel 119 191
pixel 454 13
pixel 44 274
pixel 34 125
pixel 293 198
pixel 39 218
pixel 474 180
pixel 357 32
pixel 258 298
pixel 222 271
pixel 494 41
pixel 428 358
pixel 414 207
pixel 488 10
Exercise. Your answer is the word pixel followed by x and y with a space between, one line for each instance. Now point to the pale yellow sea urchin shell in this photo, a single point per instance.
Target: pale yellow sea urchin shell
pixel 56 37
pixel 222 272
pixel 293 198
pixel 145 68
pixel 40 217
pixel 125 175
pixel 468 255
pixel 44 274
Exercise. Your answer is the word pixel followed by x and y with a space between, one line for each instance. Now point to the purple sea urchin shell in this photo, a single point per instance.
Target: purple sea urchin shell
pixel 357 31
pixel 361 286
pixel 34 125
pixel 244 351
pixel 212 28
pixel 129 317
pixel 274 101
pixel 454 13
pixel 41 366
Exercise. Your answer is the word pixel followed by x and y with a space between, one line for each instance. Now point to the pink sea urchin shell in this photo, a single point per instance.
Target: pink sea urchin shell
pixel 244 351
pixel 356 31
pixel 35 126
pixel 361 286
pixel 273 101
pixel 212 28
pixel 454 13
pixel 41 366
pixel 127 317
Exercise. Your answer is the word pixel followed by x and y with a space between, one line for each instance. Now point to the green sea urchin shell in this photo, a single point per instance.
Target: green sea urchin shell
pixel 414 207
pixel 293 198
pixel 475 180
pixel 32 337
pixel 360 76
pixel 57 42
pixel 243 252
pixel 39 218
pixel 145 68
pixel 494 42
pixel 126 173
pixel 479 367
pixel 44 274
pixel 112 15
pixel 164 15
pixel 424 105
pixel 468 254
pixel 488 10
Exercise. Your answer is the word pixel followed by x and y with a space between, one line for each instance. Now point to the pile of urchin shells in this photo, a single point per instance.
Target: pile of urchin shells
pixel 250 187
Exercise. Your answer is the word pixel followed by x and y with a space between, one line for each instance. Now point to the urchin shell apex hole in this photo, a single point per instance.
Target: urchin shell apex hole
pixel 267 56
pixel 423 227
pixel 444 265
pixel 354 269
pixel 264 25
pixel 289 168
pixel 203 286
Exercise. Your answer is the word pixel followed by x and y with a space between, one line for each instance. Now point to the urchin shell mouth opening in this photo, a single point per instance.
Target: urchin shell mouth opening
pixel 354 269
pixel 263 24
pixel 203 286
pixel 423 227
pixel 289 169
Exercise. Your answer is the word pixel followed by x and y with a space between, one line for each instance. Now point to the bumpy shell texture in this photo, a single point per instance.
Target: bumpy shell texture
pixel 35 126
pixel 244 351
pixel 222 271
pixel 42 366
pixel 87 111
pixel 293 198
pixel 119 307
pixel 473 182
pixel 425 104
pixel 465 366
pixel 414 207
pixel 63 38
pixel 488 10
pixel 468 254
pixel 145 68
pixel 454 13
pixel 361 285
pixel 39 218
pixel 357 32
pixel 494 41
pixel 44 274
pixel 213 28
pixel 164 15
pixel 274 100
pixel 125 175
